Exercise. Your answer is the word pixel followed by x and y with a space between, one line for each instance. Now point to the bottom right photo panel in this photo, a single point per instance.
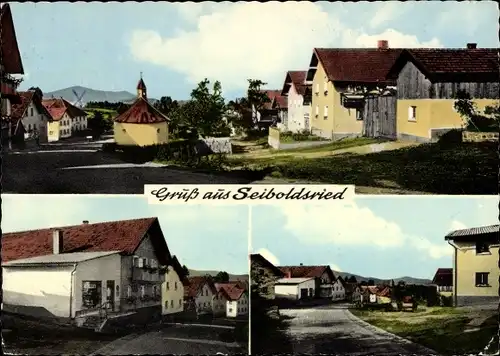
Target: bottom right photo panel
pixel 379 275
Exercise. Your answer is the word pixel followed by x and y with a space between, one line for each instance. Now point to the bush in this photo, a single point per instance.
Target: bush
pixel 446 301
pixel 109 147
pixel 452 137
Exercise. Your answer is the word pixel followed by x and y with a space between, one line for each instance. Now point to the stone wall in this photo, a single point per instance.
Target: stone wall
pixel 470 136
pixel 466 301
pixel 214 145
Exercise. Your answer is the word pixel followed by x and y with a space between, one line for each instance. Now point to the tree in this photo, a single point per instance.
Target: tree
pixel 221 277
pixel 98 124
pixel 38 92
pixel 166 105
pixel 185 270
pixel 371 282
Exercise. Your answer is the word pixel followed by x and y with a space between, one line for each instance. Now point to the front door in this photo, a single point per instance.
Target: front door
pixel 110 294
pixel 303 293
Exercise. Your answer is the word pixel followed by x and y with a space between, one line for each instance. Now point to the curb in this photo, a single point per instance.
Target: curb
pixel 392 336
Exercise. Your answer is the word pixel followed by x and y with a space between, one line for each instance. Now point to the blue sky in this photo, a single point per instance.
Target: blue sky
pixel 203 237
pixel 384 237
pixel 106 45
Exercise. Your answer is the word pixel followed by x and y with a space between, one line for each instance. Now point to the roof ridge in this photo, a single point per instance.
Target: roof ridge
pixel 75 225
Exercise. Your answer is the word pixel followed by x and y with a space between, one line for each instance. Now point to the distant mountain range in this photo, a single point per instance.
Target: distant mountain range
pixel 232 277
pixel 93 95
pixel 406 279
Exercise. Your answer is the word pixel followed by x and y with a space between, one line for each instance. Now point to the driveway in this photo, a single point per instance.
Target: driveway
pixel 334 330
pixel 177 340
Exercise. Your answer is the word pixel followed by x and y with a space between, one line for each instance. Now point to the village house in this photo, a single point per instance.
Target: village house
pixel 298 95
pixel 67 119
pixel 10 64
pixel 475 265
pixel 324 279
pixel 236 298
pixel 443 280
pixel 199 293
pixel 338 289
pixel 142 124
pixel 428 81
pixel 373 295
pixel 274 112
pixel 32 116
pixel 264 276
pixel 76 273
pixel 340 79
pixel 172 290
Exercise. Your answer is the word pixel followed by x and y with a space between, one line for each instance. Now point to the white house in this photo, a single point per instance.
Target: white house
pixel 295 288
pixel 32 115
pixel 133 277
pixel 220 301
pixel 66 118
pixel 299 101
pixel 338 290
pixel 200 291
pixel 172 289
pixel 236 299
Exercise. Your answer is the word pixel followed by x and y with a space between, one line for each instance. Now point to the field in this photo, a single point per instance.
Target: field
pixel 449 331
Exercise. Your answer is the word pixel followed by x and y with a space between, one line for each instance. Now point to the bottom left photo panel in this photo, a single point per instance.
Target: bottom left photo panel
pixel 114 275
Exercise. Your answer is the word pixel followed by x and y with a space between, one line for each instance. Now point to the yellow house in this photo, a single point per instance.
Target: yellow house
pixel 335 74
pixel 475 270
pixel 172 290
pixel 427 82
pixel 66 119
pixel 141 124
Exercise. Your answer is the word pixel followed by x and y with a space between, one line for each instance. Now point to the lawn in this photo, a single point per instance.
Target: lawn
pixel 464 168
pixel 444 330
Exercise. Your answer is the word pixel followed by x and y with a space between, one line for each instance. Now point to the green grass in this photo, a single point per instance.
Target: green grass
pixel 445 335
pixel 465 168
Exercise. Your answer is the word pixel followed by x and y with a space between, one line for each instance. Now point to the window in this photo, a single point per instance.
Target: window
pixel 118 291
pixel 412 113
pixel 51 132
pixel 359 114
pixel 171 303
pixel 31 111
pixel 140 262
pixel 175 285
pixel 317 110
pixel 180 302
pixel 325 111
pixel 482 247
pixel 129 291
pixel 157 130
pixel 230 310
pixel 317 88
pixel 166 304
pixel 168 285
pixel 143 291
pixel 482 279
pixel 325 87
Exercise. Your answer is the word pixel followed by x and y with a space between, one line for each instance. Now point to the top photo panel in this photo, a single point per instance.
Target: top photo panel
pixel 392 97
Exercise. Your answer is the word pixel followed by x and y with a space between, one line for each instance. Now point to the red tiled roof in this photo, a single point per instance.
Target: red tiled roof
pixel 57 107
pixel 27 97
pixel 11 56
pixel 443 277
pixel 297 78
pixel 231 289
pixel 193 285
pixel 141 112
pixel 370 289
pixel 275 97
pixel 478 64
pixel 361 65
pixel 125 236
pixel 304 271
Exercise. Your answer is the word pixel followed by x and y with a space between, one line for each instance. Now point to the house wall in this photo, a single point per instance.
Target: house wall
pixel 133 278
pixel 434 102
pixel 173 296
pixel 102 269
pixel 468 263
pixel 53 131
pixel 297 111
pixel 37 291
pixel 140 134
pixel 219 302
pixel 293 291
pixel 235 308
pixel 34 121
pixel 65 129
pixel 339 122
pixel 338 291
pixel 204 300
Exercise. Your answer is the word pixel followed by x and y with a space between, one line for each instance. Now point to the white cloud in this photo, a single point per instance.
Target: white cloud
pixel 268 255
pixel 232 43
pixel 457 225
pixel 350 224
pixel 396 40
pixel 335 267
pixel 389 10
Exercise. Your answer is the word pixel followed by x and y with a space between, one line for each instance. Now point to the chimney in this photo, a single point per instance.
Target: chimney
pixel 471 45
pixel 57 242
pixel 85 222
pixel 383 44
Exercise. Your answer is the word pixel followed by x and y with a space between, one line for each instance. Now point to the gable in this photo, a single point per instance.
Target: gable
pixel 11 56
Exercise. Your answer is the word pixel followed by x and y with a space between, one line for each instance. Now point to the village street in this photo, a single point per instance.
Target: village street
pixel 333 329
pixel 177 340
pixel 80 168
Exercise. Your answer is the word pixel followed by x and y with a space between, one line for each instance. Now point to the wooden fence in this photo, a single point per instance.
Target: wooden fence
pixel 379 116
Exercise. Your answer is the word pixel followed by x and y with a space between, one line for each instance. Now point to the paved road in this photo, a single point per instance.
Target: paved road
pixel 177 340
pixel 334 330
